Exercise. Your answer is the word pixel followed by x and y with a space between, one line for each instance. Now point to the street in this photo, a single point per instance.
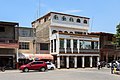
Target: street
pixel 61 74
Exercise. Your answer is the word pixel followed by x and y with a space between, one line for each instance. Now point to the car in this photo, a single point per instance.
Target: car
pixel 50 66
pixel 34 65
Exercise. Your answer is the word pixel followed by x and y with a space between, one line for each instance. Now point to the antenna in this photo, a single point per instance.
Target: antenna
pixel 38 9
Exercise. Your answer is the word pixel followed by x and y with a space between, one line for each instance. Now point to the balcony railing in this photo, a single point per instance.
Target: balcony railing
pixel 62 50
pixel 89 50
pixel 68 50
pixel 75 50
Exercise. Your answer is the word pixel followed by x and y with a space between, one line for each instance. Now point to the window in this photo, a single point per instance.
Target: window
pixel 95 45
pixel 65 32
pixel 76 32
pixel 51 45
pixel 81 44
pixel 60 31
pixel 71 19
pixel 74 43
pixel 68 43
pixel 71 32
pixel 54 31
pixel 45 19
pixel 23 45
pixel 78 21
pixel 54 45
pixel 85 21
pixel 2 29
pixel 43 46
pixel 63 18
pixel 61 43
pixel 56 17
pixel 87 44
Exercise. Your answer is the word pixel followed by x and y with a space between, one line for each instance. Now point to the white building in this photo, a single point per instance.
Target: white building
pixel 67 39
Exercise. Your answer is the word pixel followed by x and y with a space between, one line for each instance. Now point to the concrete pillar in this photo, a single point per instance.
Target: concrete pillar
pixel 58 62
pixel 91 61
pixel 17 65
pixel 75 62
pixel 83 61
pixel 71 45
pixel 107 57
pixel 67 60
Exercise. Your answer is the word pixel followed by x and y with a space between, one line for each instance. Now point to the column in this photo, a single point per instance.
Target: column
pixel 83 61
pixel 106 56
pixel 58 62
pixel 98 59
pixel 17 65
pixel 91 61
pixel 71 45
pixel 75 62
pixel 65 44
pixel 67 60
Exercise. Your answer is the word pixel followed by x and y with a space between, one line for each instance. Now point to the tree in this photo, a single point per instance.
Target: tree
pixel 117 36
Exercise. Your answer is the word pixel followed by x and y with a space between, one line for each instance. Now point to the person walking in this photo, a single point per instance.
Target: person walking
pixel 98 65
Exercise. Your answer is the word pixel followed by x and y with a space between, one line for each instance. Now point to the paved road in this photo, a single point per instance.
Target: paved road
pixel 62 74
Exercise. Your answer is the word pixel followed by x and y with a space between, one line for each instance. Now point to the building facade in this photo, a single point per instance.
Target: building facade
pixel 27 46
pixel 67 39
pixel 8 44
pixel 108 50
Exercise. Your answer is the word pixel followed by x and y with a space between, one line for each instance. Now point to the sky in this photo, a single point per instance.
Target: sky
pixel 104 14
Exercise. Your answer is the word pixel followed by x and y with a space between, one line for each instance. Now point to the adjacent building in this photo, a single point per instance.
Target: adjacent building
pixel 8 43
pixel 66 37
pixel 108 50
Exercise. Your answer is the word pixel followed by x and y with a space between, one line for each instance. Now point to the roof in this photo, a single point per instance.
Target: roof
pixel 60 14
pixel 100 33
pixel 8 23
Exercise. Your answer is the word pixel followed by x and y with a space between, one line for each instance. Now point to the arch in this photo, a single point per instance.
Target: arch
pixel 65 32
pixel 60 31
pixel 85 21
pixel 56 17
pixel 71 32
pixel 71 19
pixel 54 31
pixel 78 20
pixel 63 18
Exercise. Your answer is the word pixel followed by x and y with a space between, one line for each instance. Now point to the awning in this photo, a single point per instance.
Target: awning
pixel 23 56
pixel 41 56
pixel 35 56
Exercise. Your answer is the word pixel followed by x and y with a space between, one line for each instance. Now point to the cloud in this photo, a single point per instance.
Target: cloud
pixel 72 11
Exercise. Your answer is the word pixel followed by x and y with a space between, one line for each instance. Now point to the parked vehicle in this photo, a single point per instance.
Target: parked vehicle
pixel 50 66
pixel 35 65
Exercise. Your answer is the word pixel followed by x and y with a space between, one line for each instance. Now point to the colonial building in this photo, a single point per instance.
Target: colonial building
pixel 8 43
pixel 66 37
pixel 108 51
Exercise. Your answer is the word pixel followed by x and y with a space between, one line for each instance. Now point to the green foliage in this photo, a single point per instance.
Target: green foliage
pixel 117 35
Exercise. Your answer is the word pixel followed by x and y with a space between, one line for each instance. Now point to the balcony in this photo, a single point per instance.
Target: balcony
pixel 89 50
pixel 8 43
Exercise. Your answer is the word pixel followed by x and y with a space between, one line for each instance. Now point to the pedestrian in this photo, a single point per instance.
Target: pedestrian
pixel 98 65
